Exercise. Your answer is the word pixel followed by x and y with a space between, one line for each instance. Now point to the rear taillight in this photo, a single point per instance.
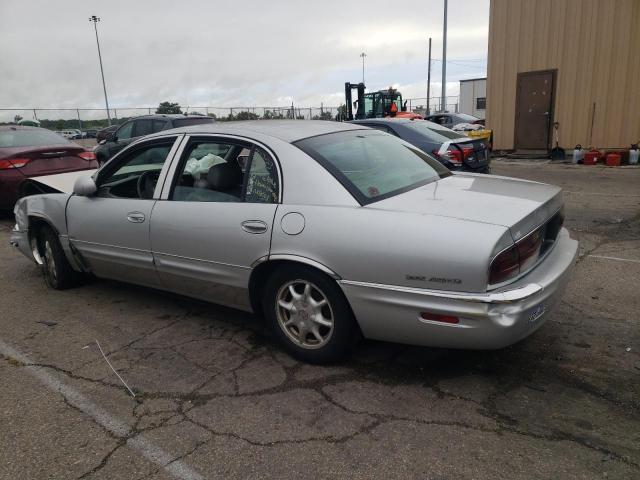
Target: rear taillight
pixel 529 249
pixel 13 163
pixel 88 156
pixel 455 155
pixel 506 265
pixel 517 258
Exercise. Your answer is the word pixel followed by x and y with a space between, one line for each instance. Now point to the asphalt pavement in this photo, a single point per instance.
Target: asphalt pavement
pixel 216 398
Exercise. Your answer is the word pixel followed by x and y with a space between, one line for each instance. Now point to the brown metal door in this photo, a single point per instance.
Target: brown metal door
pixel 534 110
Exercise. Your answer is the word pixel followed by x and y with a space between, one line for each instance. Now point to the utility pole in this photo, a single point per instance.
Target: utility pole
pixel 443 100
pixel 429 78
pixel 362 55
pixel 95 21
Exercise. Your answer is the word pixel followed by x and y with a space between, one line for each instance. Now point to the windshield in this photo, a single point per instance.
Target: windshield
pixel 373 165
pixel 435 132
pixel 30 138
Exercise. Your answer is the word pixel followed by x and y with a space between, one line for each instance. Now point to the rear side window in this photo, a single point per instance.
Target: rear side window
pixel 217 171
pixel 262 181
pixel 143 127
pixel 30 138
pixel 158 125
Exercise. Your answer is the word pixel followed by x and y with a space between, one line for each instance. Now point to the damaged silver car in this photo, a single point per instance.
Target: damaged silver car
pixel 329 230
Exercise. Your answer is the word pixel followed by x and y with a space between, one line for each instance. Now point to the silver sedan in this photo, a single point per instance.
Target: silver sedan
pixel 328 230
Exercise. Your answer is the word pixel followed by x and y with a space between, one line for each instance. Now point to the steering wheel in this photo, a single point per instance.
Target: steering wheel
pixel 146 184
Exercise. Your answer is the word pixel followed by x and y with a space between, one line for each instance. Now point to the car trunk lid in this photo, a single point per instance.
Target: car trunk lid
pixel 519 205
pixel 33 161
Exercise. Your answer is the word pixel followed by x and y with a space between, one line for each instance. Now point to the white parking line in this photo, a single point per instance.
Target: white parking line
pixel 615 258
pixel 148 450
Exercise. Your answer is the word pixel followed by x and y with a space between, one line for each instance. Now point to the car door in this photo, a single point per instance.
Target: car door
pixel 215 219
pixel 110 229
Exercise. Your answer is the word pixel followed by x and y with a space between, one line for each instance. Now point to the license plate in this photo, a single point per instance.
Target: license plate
pixel 537 312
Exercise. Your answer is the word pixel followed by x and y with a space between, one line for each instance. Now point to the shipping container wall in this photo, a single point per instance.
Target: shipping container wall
pixel 595 47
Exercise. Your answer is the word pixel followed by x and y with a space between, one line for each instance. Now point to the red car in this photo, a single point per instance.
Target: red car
pixel 27 152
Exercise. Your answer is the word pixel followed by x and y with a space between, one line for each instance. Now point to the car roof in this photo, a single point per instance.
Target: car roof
pixel 388 121
pixel 288 130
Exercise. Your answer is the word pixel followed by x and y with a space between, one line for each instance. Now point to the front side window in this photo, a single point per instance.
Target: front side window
pixel 125 132
pixel 372 166
pixel 218 171
pixel 135 175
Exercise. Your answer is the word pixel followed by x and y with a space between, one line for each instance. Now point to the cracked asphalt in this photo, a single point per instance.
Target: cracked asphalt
pixel 215 398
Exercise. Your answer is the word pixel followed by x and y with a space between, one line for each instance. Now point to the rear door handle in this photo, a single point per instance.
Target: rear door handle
pixel 254 226
pixel 135 217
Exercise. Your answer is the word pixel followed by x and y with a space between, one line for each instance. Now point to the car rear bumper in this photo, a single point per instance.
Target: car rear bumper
pixel 486 320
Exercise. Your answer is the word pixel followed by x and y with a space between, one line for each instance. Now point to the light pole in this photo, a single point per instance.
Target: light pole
pixel 362 55
pixel 443 101
pixel 95 21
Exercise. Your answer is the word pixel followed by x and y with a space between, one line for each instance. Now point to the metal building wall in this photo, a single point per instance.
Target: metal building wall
pixel 594 45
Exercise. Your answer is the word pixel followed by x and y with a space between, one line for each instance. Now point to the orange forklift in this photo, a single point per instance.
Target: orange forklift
pixel 380 104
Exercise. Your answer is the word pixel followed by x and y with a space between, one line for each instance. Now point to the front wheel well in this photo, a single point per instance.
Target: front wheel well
pixel 262 272
pixel 36 225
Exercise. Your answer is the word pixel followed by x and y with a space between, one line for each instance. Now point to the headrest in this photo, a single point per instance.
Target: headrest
pixel 224 176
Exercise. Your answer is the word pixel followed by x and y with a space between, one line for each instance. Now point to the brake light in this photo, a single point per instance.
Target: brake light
pixel 455 155
pixel 88 156
pixel 13 163
pixel 529 249
pixel 506 265
pixel 452 156
pixel 517 258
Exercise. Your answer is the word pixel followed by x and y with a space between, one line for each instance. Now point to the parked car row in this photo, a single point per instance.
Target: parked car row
pixel 123 135
pixel 454 150
pixel 329 230
pixel 27 152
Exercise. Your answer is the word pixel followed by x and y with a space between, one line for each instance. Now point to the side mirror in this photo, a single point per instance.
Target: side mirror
pixel 84 186
pixel 111 137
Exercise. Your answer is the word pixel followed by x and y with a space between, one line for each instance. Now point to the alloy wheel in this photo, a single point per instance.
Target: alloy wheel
pixel 50 263
pixel 304 314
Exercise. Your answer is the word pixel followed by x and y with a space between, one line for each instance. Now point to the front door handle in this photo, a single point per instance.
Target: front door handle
pixel 135 217
pixel 254 226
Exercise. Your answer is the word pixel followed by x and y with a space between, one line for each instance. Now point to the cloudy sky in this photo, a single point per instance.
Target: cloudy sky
pixel 230 53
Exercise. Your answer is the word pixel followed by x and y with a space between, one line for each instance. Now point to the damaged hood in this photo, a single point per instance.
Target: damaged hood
pixel 62 182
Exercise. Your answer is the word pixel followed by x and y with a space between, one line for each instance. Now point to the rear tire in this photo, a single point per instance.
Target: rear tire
pixel 309 315
pixel 57 270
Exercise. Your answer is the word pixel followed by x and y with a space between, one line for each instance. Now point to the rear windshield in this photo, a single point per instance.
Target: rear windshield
pixel 30 138
pixel 373 165
pixel 435 132
pixel 184 122
pixel 466 117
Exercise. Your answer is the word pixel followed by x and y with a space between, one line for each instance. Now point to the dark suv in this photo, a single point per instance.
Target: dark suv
pixel 141 126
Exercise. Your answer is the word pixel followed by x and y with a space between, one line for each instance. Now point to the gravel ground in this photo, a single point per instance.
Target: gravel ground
pixel 215 398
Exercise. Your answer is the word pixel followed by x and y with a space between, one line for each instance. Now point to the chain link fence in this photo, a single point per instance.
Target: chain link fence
pixel 96 118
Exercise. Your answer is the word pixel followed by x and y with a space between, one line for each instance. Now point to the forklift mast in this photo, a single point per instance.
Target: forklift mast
pixel 359 103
